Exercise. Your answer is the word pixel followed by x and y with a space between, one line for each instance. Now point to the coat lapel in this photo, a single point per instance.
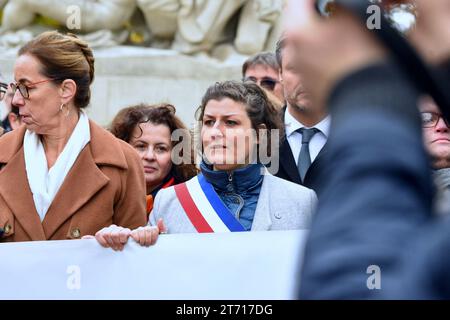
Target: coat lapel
pixel 21 203
pixel 262 220
pixel 322 153
pixel 287 161
pixel 317 166
pixel 84 180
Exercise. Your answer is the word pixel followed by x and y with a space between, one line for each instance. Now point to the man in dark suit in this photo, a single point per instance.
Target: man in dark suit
pixel 306 127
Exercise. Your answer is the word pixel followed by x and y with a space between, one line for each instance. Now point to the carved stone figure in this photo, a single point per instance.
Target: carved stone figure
pixel 201 23
pixel 256 22
pixel 161 16
pixel 187 26
pixel 93 15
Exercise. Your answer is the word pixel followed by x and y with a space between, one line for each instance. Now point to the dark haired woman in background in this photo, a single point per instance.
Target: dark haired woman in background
pixel 148 129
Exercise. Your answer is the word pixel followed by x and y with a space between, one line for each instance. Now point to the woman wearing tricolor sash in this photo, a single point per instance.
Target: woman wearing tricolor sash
pixel 234 191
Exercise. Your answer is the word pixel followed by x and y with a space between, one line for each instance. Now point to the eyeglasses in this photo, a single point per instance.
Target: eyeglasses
pixel 430 119
pixel 23 88
pixel 266 83
pixel 3 89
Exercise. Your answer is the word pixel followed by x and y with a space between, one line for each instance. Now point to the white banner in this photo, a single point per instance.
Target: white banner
pixel 247 265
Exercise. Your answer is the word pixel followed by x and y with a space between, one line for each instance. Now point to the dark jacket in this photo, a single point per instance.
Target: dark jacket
pixel 6 125
pixel 288 169
pixel 375 208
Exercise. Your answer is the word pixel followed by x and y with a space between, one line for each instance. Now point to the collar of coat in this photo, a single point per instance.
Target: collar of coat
pixel 102 145
pixel 103 149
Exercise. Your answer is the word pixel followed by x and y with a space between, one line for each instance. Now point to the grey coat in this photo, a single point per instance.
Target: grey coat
pixel 282 205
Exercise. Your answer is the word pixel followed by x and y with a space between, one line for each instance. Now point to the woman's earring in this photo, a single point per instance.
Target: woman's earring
pixel 61 108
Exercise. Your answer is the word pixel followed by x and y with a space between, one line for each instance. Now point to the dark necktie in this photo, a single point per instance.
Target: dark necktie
pixel 304 159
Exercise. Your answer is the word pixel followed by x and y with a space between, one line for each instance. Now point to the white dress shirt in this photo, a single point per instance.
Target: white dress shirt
pixel 294 138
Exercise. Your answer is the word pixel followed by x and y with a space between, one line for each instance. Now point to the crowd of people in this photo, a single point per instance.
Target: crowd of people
pixel 358 146
pixel 148 182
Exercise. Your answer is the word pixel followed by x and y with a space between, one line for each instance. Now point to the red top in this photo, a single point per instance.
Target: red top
pixel 150 197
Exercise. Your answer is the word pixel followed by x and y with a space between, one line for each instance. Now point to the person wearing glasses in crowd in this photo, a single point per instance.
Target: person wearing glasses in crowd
pixel 148 129
pixel 436 135
pixel 3 124
pixel 263 69
pixel 3 88
pixel 12 120
pixel 70 176
pixel 233 192
pixel 14 117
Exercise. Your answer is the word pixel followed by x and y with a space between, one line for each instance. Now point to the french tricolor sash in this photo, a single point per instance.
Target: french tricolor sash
pixel 204 207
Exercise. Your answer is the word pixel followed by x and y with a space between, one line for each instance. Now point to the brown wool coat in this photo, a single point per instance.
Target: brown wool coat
pixel 105 186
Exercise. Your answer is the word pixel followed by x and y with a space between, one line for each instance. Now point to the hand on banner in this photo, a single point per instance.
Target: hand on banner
pixel 116 237
pixel 147 236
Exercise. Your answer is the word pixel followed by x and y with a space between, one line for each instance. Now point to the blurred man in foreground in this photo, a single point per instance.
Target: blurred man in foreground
pixel 374 235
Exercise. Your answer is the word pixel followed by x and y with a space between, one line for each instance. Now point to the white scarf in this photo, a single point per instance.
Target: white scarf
pixel 44 183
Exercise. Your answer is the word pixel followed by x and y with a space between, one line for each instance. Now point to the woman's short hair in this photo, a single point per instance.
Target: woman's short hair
pixel 64 56
pixel 260 109
pixel 129 118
